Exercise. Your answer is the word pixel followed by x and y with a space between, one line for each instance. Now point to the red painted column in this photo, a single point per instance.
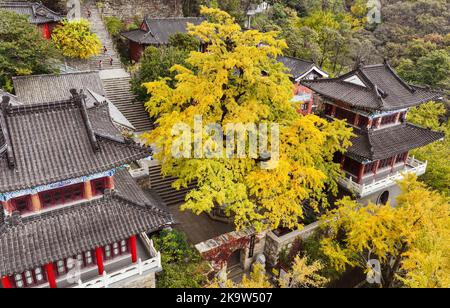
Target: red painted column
pixel 377 167
pixel 361 173
pixel 133 249
pixel 6 283
pixel 99 256
pixel 110 183
pixel 51 275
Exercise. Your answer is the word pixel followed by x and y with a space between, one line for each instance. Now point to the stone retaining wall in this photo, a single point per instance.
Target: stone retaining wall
pixel 131 9
pixel 275 245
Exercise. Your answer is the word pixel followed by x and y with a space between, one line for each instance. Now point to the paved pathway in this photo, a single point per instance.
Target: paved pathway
pixel 98 27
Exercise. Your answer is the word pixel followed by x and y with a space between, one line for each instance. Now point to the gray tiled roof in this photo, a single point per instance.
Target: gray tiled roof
pixel 387 142
pixel 38 13
pixel 37 89
pixel 297 67
pixel 55 87
pixel 383 90
pixel 27 243
pixel 13 98
pixel 160 29
pixel 56 141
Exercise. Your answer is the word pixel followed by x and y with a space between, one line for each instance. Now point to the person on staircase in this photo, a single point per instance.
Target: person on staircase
pixel 100 64
pixel 89 14
pixel 111 61
pixel 105 50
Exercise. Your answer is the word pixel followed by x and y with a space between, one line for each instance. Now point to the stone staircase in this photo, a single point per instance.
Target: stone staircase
pixel 118 91
pixel 98 27
pixel 163 186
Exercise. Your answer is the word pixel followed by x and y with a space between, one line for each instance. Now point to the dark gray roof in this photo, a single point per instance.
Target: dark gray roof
pixel 388 142
pixel 382 89
pixel 160 29
pixel 38 13
pixel 37 89
pixel 12 98
pixel 27 243
pixel 55 87
pixel 297 67
pixel 51 142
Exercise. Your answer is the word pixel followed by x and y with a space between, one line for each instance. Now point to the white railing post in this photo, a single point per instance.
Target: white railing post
pixel 140 267
pixel 105 280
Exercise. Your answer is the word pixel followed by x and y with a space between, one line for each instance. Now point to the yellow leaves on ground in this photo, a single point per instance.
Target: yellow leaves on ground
pixel 75 39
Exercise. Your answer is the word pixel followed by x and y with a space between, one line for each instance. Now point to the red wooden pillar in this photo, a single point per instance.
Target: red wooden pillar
pixel 47 32
pixel 333 110
pixel 377 167
pixel 361 173
pixel 343 162
pixel 99 256
pixel 6 282
pixel 393 163
pixel 51 275
pixel 356 121
pixel 110 183
pixel 133 249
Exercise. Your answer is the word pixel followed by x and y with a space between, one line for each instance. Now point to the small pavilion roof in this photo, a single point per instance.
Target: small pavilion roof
pixel 374 88
pixel 37 12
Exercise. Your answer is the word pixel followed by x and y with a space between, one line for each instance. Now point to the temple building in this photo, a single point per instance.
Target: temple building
pixel 375 101
pixel 72 216
pixel 38 14
pixel 156 32
pixel 303 70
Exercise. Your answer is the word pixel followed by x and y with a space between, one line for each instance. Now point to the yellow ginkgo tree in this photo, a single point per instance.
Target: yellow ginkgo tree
pixel 410 242
pixel 76 40
pixel 237 82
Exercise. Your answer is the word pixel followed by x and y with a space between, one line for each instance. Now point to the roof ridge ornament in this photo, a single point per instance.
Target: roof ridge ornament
pixel 402 82
pixel 5 106
pixel 80 100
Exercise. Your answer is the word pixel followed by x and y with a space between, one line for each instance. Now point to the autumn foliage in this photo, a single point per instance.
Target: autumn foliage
pixel 239 80
pixel 75 39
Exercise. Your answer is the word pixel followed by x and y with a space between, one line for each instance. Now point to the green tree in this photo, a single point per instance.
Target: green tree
pixel 238 80
pixel 114 25
pixel 433 116
pixel 75 39
pixel 23 50
pixel 156 63
pixel 411 241
pixel 184 41
pixel 182 264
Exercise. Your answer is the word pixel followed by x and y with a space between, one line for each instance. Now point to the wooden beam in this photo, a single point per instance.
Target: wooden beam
pixel 88 190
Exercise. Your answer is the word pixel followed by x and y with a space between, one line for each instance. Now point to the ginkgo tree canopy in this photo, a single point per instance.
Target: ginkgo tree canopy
pixel 238 80
pixel 411 241
pixel 75 39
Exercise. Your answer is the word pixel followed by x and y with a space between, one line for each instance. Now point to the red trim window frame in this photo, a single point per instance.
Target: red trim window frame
pixel 22 204
pixel 99 186
pixel 401 158
pixel 116 249
pixel 62 195
pixel 30 278
pixel 387 120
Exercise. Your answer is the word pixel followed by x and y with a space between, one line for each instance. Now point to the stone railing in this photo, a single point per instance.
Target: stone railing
pixel 363 190
pixel 134 270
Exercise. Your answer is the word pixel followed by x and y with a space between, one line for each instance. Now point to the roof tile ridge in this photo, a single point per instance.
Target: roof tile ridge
pixel 5 105
pixel 79 98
